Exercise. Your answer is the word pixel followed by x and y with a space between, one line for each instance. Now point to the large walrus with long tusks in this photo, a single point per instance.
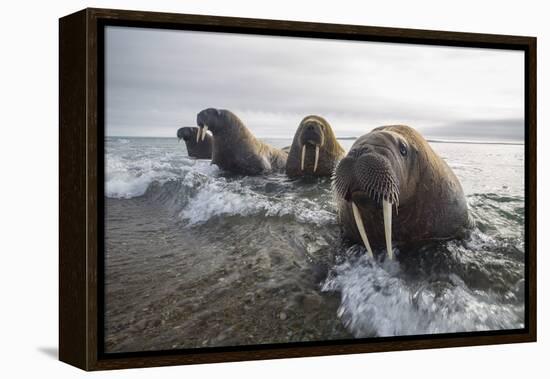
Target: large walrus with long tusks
pixel 235 148
pixel 199 145
pixel 392 172
pixel 314 150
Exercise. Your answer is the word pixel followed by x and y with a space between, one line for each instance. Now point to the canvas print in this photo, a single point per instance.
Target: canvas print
pixel 270 190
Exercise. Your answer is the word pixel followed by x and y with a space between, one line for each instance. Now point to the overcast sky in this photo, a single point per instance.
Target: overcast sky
pixel 158 80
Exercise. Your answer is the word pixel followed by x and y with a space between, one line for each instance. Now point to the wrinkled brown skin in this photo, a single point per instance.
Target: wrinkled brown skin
pixel 330 151
pixel 201 149
pixel 432 205
pixel 235 149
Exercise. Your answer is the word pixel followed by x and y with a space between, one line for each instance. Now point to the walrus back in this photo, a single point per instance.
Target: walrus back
pixel 277 157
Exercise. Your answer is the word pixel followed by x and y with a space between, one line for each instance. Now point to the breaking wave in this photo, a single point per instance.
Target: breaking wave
pixel 199 191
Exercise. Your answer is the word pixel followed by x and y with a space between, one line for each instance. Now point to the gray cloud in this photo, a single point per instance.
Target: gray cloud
pixel 158 80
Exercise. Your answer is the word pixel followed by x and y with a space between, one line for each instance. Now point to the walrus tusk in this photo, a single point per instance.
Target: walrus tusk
pixel 386 207
pixel 204 129
pixel 316 157
pixel 199 132
pixel 361 228
pixel 303 155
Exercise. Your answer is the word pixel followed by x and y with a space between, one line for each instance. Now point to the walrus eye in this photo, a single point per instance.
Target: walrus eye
pixel 402 149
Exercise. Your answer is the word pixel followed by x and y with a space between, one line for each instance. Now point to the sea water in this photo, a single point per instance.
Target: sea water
pixel 195 257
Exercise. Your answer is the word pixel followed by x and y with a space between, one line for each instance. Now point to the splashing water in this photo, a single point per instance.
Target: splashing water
pixel 388 299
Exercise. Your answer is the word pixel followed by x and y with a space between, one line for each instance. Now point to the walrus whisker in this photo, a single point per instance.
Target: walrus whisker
pixel 361 228
pixel 316 158
pixel 386 207
pixel 395 200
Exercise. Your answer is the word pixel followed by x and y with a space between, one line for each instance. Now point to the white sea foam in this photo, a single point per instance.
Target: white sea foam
pixel 129 176
pixel 129 173
pixel 125 185
pixel 377 301
pixel 219 197
pixel 211 200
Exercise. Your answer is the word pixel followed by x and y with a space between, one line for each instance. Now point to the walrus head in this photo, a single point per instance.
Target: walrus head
pixel 311 133
pixel 187 133
pixel 380 171
pixel 217 121
pixel 314 134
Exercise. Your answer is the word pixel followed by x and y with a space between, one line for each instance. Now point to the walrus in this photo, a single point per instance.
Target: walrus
pixel 199 145
pixel 393 172
pixel 314 150
pixel 235 148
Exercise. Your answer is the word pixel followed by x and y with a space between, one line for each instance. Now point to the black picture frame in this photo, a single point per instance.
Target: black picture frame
pixel 81 118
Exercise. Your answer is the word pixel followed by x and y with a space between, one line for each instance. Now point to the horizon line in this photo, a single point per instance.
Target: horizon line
pixel 348 138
